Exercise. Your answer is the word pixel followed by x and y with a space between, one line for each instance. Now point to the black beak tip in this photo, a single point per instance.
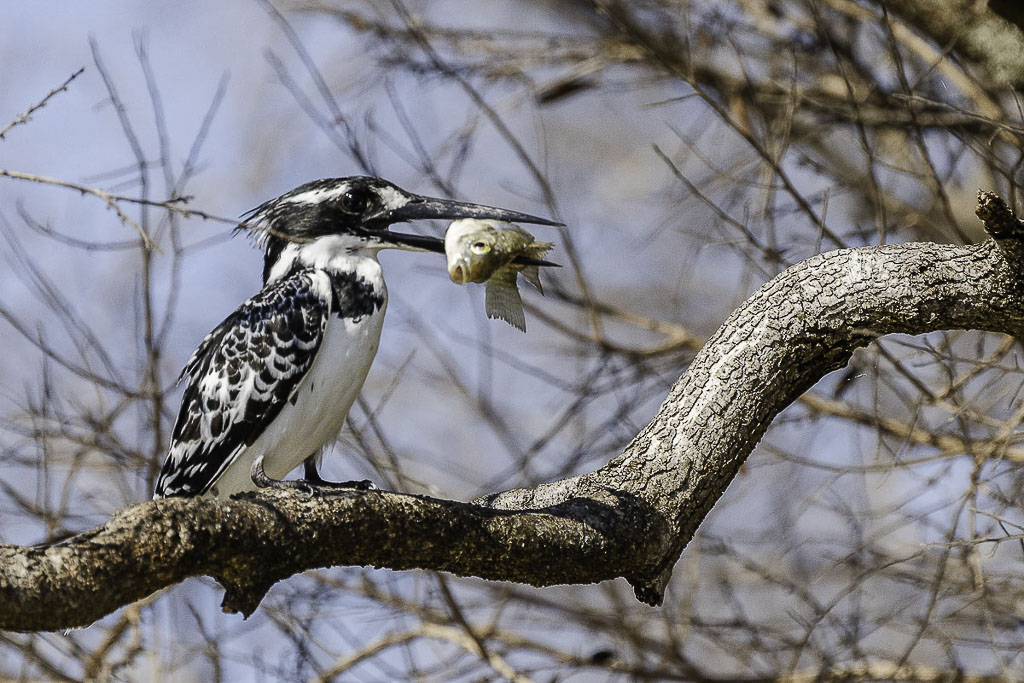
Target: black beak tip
pixel 516 217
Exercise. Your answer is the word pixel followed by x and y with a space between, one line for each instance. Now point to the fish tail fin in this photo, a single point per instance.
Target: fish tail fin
pixel 539 249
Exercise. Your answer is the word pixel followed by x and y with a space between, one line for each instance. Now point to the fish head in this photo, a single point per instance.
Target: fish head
pixel 474 250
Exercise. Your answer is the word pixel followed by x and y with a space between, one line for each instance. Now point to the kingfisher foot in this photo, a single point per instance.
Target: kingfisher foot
pixel 312 476
pixel 265 481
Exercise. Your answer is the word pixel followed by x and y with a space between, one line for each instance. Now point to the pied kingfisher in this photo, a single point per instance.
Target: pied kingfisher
pixel 273 383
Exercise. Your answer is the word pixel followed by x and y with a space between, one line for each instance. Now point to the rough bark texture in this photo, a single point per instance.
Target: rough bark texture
pixel 631 518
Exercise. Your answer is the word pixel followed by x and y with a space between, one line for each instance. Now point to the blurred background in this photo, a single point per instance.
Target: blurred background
pixel 693 150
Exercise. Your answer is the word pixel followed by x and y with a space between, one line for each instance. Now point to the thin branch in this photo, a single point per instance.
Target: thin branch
pixel 24 118
pixel 111 199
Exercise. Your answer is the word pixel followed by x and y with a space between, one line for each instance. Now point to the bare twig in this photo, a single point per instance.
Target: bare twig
pixel 24 118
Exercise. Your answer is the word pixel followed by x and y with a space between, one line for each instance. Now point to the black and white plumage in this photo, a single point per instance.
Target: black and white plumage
pixel 273 383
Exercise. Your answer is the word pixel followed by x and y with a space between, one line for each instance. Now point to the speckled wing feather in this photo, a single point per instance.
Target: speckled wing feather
pixel 240 378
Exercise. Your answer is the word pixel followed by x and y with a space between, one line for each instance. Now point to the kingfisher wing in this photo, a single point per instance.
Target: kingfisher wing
pixel 240 378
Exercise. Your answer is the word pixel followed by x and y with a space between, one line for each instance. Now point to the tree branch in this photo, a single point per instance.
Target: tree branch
pixel 985 34
pixel 631 518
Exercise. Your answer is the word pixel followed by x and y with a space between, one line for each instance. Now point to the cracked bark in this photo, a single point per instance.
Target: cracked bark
pixel 631 518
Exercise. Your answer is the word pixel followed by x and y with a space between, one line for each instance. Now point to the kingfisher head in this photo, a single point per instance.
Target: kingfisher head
pixel 362 209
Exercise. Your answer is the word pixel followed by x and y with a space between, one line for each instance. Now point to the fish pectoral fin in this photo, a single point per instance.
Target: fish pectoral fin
pixel 502 299
pixel 532 275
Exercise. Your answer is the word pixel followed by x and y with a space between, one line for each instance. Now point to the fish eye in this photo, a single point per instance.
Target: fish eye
pixel 480 247
pixel 355 201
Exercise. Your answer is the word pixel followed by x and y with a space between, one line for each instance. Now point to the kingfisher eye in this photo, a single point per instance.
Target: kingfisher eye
pixel 480 247
pixel 355 201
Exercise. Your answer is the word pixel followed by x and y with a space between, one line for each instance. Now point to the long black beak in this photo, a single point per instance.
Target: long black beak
pixel 428 207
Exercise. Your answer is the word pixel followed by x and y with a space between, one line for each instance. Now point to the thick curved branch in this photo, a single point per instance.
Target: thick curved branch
pixel 631 518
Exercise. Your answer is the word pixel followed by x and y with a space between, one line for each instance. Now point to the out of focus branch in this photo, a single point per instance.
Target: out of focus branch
pixel 975 30
pixel 631 518
pixel 174 204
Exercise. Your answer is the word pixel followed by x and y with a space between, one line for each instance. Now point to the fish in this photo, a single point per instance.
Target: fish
pixel 496 253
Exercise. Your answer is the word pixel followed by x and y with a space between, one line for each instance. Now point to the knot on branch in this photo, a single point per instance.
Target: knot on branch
pixel 243 595
pixel 1003 226
pixel 998 218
